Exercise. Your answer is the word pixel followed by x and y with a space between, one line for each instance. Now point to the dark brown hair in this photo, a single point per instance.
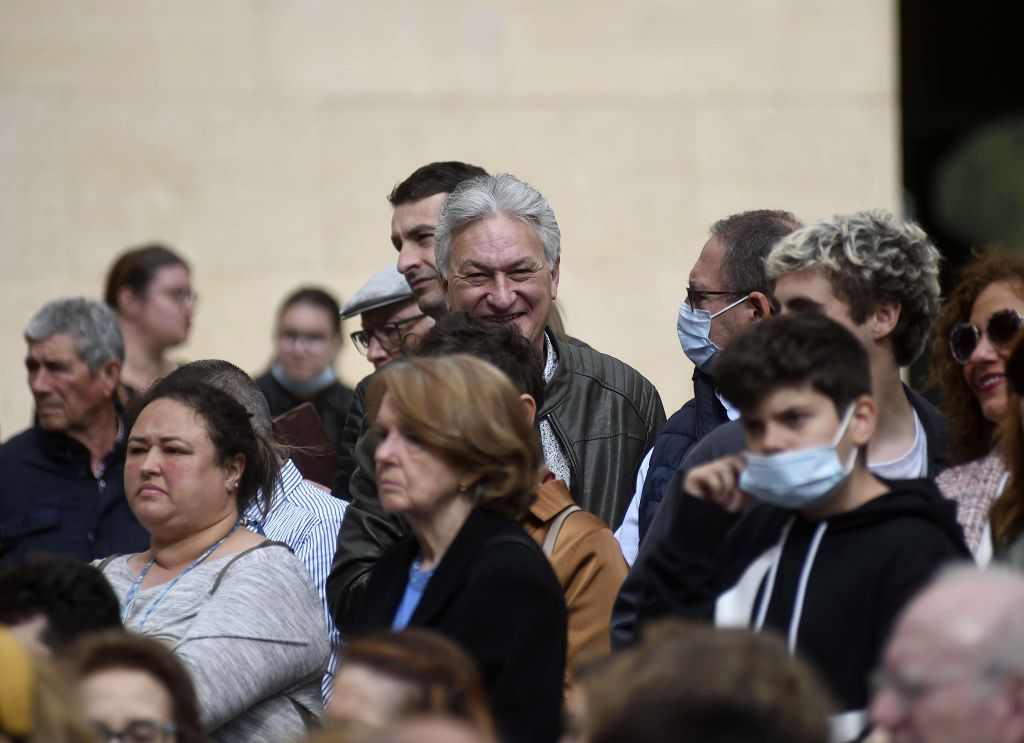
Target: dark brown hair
pixel 230 430
pixel 971 434
pixel 680 663
pixel 1007 513
pixel 432 179
pixel 116 649
pixel 136 267
pixel 315 297
pixel 443 678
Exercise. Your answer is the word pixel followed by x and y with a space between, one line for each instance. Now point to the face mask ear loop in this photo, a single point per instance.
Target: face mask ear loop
pixel 847 417
pixel 726 309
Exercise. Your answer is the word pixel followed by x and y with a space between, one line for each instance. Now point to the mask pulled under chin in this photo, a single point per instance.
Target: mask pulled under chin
pixel 304 389
pixel 800 478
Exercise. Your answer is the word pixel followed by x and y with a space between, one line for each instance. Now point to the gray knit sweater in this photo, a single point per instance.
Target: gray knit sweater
pixel 250 629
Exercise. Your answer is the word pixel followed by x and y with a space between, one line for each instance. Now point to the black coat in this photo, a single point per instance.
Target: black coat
pixel 494 593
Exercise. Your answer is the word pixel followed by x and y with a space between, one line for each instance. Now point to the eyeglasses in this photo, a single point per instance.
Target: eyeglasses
pixel 1002 327
pixel 909 690
pixel 698 296
pixel 137 731
pixel 180 296
pixel 389 336
pixel 310 340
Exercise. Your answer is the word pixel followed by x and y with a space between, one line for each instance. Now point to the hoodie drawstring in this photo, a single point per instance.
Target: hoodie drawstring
pixel 801 591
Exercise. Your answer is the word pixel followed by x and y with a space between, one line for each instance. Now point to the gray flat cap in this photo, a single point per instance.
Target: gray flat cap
pixel 386 287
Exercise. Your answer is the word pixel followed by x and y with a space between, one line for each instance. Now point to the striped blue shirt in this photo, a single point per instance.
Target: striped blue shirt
pixel 307 519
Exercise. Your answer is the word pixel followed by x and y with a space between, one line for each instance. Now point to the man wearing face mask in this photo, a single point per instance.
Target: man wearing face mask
pixel 727 292
pixel 795 533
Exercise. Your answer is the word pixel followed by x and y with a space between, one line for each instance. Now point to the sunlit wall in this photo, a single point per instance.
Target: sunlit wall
pixel 260 138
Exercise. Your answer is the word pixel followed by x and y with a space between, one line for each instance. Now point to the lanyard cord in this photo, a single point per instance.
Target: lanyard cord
pixel 129 600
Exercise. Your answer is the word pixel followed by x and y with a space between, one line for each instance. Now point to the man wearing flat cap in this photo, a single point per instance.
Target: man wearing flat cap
pixel 390 318
pixel 392 323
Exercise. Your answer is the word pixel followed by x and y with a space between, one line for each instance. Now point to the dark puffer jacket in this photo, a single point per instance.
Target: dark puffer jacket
pixel 688 425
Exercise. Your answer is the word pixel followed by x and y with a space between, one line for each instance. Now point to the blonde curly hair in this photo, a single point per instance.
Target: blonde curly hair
pixel 869 257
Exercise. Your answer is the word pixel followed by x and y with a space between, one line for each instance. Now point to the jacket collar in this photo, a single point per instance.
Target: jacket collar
pixel 476 533
pixel 556 390
pixel 934 425
pixel 59 447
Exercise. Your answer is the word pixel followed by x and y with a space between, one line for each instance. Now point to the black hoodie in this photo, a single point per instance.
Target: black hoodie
pixel 861 568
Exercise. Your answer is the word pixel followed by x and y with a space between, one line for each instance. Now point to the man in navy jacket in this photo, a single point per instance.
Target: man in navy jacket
pixel 727 291
pixel 62 480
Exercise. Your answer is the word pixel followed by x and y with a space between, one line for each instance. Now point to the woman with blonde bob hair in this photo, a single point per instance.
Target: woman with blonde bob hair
pixel 458 458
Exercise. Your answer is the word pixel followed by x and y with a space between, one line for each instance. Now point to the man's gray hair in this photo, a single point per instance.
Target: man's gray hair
pixel 92 324
pixel 229 379
pixel 870 257
pixel 488 196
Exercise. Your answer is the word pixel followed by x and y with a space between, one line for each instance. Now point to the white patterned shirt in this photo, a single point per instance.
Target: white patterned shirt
pixel 307 519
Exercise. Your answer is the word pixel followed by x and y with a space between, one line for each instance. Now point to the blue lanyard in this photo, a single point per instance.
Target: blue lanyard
pixel 129 600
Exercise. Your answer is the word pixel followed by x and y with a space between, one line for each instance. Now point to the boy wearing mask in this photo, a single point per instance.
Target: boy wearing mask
pixel 795 533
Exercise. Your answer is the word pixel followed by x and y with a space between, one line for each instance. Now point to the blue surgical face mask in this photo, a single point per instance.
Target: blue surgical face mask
pixel 694 330
pixel 801 478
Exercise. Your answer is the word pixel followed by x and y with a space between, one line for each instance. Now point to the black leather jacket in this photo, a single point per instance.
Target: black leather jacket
pixel 605 414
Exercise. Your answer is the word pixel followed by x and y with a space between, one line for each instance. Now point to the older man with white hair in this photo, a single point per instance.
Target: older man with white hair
pixel 953 669
pixel 498 251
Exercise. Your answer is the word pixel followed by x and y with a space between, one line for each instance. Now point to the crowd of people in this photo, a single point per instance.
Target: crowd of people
pixel 498 535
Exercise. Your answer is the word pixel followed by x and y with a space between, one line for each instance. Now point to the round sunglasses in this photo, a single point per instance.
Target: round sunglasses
pixel 1002 327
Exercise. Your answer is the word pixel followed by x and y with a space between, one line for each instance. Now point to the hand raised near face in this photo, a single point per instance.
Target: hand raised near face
pixel 718 483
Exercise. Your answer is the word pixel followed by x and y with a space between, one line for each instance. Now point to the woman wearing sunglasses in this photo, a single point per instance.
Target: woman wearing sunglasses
pixel 973 336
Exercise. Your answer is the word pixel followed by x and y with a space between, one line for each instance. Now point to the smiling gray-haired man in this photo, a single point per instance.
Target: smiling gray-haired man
pixel 498 250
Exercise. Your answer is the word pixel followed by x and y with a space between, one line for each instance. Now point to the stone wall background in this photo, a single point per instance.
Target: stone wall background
pixel 260 138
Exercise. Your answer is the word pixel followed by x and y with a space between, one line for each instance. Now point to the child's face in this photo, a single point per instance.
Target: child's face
pixel 793 417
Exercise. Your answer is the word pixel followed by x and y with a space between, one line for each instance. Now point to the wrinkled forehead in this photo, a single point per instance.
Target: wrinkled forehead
pixel 59 347
pixel 706 273
pixel 498 242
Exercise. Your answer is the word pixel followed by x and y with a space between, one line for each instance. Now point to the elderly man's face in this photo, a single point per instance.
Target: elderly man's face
pixel 498 272
pixel 931 689
pixel 68 397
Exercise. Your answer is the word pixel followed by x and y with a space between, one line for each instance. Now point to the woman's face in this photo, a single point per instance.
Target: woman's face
pixel 165 310
pixel 127 701
pixel 366 698
pixel 172 479
pixel 306 342
pixel 411 479
pixel 984 371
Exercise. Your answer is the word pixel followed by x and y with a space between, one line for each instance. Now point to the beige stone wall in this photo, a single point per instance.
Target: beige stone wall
pixel 260 137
